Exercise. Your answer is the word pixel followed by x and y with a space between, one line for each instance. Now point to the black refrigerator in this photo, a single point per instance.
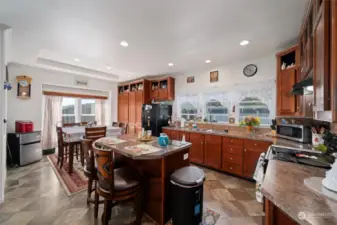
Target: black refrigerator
pixel 156 116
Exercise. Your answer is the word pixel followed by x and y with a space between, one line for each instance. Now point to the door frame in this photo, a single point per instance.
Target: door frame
pixel 5 35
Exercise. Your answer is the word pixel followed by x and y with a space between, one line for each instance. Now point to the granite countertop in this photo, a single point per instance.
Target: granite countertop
pixel 131 140
pixel 277 142
pixel 284 186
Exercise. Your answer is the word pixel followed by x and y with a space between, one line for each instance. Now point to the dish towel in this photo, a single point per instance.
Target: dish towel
pixel 259 176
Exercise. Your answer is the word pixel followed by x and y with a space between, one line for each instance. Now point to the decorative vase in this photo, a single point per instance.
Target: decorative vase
pixel 249 128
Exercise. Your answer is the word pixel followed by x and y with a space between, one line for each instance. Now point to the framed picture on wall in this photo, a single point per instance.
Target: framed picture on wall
pixel 190 79
pixel 214 76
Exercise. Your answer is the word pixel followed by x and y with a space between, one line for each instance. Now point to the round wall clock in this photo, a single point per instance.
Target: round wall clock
pixel 250 70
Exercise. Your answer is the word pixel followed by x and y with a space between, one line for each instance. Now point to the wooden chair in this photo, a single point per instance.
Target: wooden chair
pixel 124 126
pixel 116 185
pixel 95 133
pixel 62 147
pixel 115 124
pixel 71 124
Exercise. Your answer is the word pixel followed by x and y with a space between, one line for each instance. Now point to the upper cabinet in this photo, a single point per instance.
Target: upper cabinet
pixel 287 76
pixel 162 89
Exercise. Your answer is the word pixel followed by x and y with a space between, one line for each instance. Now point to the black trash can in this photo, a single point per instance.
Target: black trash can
pixel 187 196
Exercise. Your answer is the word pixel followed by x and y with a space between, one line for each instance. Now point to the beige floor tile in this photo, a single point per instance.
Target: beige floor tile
pixel 21 218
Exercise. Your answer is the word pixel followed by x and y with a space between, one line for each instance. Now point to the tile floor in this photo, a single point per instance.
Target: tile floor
pixel 34 196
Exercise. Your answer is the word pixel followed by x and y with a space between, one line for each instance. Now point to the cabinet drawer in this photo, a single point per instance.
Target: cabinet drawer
pixel 175 135
pixel 257 144
pixel 232 168
pixel 233 141
pixel 214 139
pixel 231 158
pixel 232 149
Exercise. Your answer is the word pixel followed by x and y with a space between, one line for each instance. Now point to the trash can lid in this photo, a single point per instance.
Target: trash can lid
pixel 189 176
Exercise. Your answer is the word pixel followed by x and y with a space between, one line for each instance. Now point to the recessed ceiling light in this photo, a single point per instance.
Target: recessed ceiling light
pixel 124 44
pixel 244 42
pixel 170 64
pixel 108 68
pixel 77 60
pixel 208 61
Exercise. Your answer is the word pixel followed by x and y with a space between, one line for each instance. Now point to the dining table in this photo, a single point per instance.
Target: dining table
pixel 72 136
pixel 156 163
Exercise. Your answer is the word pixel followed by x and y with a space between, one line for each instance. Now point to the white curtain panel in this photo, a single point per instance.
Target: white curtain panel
pixel 100 112
pixel 51 117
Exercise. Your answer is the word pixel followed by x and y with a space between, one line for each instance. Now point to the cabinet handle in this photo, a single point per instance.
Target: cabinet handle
pixel 231 140
pixel 255 144
pixel 201 142
pixel 244 150
pixel 231 149
pixel 231 158
pixel 230 168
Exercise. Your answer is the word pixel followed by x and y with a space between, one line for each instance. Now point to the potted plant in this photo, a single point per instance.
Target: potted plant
pixel 250 122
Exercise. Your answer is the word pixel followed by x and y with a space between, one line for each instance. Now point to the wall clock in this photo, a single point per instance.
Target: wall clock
pixel 250 70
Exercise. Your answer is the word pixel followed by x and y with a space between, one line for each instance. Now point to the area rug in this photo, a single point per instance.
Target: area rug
pixel 72 183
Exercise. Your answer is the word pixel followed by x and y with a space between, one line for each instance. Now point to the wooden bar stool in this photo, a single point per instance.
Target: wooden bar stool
pixel 117 184
pixel 62 146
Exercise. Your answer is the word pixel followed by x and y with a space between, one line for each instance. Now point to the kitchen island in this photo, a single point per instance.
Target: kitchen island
pixel 288 201
pixel 156 167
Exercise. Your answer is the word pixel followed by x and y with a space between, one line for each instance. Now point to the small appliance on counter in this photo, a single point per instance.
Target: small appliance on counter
pixel 24 148
pixel 295 132
pixel 156 116
pixel 23 126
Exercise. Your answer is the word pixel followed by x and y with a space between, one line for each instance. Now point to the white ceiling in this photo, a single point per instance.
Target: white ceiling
pixel 184 32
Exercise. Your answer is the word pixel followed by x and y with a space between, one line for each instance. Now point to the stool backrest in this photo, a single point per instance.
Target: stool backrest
pixel 95 133
pixel 124 126
pixel 60 141
pixel 71 124
pixel 105 167
pixel 86 145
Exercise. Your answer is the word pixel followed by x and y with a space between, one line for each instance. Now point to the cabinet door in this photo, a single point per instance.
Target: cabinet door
pixel 120 107
pixel 167 132
pixel 162 94
pixel 187 135
pixel 197 149
pixel 132 108
pixel 286 80
pixel 138 109
pixel 213 151
pixel 175 135
pixel 321 59
pixel 250 157
pixel 154 94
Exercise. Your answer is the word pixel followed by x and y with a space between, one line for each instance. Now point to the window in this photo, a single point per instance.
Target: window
pixel 87 110
pixel 251 106
pixel 68 110
pixel 215 111
pixel 75 110
pixel 188 111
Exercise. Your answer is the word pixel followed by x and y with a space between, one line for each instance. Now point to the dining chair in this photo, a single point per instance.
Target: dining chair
pixel 115 124
pixel 95 133
pixel 71 124
pixel 62 147
pixel 124 127
pixel 117 184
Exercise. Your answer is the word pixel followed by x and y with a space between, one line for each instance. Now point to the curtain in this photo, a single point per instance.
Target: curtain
pixel 100 112
pixel 52 116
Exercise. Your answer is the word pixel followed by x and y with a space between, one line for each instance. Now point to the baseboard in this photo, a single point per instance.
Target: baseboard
pixel 48 151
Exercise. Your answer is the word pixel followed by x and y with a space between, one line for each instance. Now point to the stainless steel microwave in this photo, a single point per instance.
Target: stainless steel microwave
pixel 294 132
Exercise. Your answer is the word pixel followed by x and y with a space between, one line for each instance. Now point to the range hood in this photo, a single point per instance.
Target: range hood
pixel 298 88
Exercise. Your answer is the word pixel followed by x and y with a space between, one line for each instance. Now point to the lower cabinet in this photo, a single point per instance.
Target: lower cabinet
pixel 213 151
pixel 275 216
pixel 175 135
pixel 197 149
pixel 250 156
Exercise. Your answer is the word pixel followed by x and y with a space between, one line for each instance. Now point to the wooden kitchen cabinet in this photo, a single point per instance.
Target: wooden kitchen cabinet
pixel 288 104
pixel 123 107
pixel 175 135
pixel 132 108
pixel 187 135
pixel 139 101
pixel 197 149
pixel 213 150
pixel 162 89
pixel 275 216
pixel 321 58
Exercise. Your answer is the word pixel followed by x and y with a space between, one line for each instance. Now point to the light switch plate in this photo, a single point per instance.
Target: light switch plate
pixel 185 156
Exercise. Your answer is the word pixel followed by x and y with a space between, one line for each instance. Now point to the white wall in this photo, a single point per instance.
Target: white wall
pixel 31 109
pixel 230 78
